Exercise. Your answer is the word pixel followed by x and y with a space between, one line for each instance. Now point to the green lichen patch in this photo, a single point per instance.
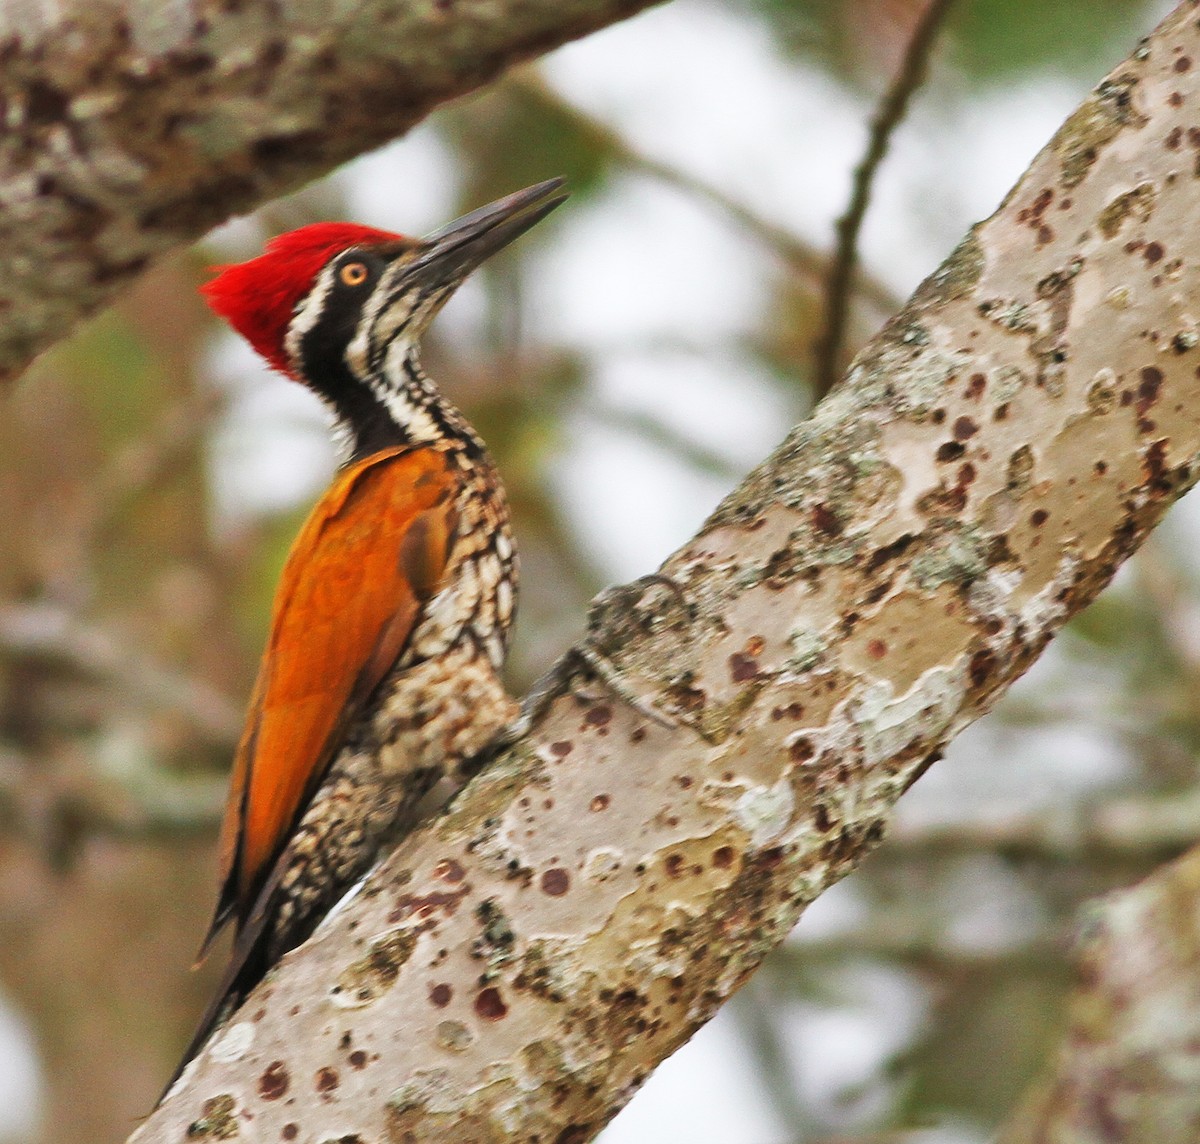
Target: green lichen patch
pixel 491 793
pixel 373 975
pixel 957 276
pixel 1137 204
pixel 217 1120
pixel 956 557
pixel 496 937
pixel 1097 121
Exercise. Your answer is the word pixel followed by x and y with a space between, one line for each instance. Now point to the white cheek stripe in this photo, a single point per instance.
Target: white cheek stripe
pixel 358 351
pixel 307 315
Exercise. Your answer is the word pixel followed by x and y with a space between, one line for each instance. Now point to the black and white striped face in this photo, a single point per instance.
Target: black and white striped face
pixel 353 337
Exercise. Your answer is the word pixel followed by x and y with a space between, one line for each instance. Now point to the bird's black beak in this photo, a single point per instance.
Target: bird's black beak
pixel 448 255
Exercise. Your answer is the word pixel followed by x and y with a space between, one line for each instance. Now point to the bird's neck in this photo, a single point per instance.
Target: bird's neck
pixel 397 404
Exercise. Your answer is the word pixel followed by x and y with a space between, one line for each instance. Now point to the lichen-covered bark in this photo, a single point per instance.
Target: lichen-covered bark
pixel 1128 1071
pixel 132 126
pixel 517 968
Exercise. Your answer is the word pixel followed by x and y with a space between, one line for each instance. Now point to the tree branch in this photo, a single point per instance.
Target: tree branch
pixel 130 130
pixel 828 351
pixel 1126 1071
pixel 518 967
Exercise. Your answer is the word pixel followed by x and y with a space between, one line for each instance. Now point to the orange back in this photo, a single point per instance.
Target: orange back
pixel 373 550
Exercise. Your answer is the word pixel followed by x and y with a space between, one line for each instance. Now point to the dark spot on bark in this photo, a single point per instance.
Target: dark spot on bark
pixel 326 1080
pixel 983 663
pixel 561 749
pixel 965 429
pixel 1101 467
pixel 673 865
pixel 358 1059
pixel 825 521
pixel 1148 387
pixel 742 668
pixel 1001 413
pixel 1038 517
pixel 938 416
pixel 449 870
pixel 801 749
pixel 975 387
pixel 1154 465
pixel 723 857
pixel 44 104
pixel 1153 252
pixel 489 1004
pixel 891 551
pixel 273 53
pixel 598 716
pixel 600 802
pixel 637 734
pixel 440 995
pixel 190 61
pixel 1181 343
pixel 949 451
pixel 290 1131
pixel 555 882
pixel 422 905
pixel 690 699
pixel 274 1081
pixel 790 711
pixel 1182 64
pixel 1174 139
pixel 876 649
pixel 684 781
pixel 966 474
pixel 574 1133
pixel 293 148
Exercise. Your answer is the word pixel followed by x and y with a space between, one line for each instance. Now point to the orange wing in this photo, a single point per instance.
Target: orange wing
pixel 372 551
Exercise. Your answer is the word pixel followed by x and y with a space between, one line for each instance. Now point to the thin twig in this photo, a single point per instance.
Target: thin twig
pixel 888 114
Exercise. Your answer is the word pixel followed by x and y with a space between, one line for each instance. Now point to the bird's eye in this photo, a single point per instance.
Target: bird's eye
pixel 354 273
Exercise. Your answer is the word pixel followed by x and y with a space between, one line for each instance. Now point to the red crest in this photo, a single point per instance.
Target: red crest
pixel 259 297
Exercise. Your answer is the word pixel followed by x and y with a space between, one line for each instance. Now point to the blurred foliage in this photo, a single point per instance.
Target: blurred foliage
pixel 108 786
pixel 989 41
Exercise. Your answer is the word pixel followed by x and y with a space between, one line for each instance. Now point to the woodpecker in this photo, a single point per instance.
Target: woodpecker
pixel 391 620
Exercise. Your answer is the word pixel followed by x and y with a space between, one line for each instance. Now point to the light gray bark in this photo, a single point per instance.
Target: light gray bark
pixel 517 968
pixel 130 127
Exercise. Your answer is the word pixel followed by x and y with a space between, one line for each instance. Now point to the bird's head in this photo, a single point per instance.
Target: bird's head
pixel 329 303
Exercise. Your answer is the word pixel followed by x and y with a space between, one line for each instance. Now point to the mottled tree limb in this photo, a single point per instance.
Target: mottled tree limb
pixel 517 968
pixel 132 127
pixel 1128 1071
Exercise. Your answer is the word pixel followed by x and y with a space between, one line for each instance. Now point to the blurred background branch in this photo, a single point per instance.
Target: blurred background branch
pixel 888 116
